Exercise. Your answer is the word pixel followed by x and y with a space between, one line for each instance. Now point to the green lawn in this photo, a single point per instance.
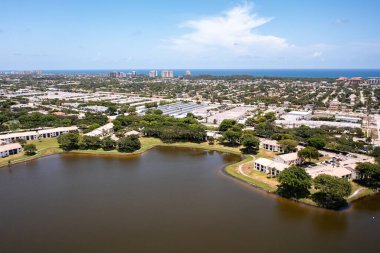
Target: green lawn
pixel 44 147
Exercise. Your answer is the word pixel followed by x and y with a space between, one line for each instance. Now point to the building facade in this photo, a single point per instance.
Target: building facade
pixel 373 80
pixel 10 149
pixel 38 134
pixel 167 74
pixel 271 145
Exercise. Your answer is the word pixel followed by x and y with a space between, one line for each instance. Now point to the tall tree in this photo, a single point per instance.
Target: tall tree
pixel 294 182
pixel 251 143
pixel 332 191
pixel 308 153
pixel 30 149
pixel 69 141
pixel 129 144
pixel 288 145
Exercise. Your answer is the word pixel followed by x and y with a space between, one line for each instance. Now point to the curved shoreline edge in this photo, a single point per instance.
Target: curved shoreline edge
pixel 228 170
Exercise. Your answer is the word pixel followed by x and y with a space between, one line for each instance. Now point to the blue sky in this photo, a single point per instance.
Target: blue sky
pixel 118 34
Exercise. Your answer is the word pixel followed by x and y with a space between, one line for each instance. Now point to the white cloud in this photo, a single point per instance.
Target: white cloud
pixel 233 30
pixel 317 54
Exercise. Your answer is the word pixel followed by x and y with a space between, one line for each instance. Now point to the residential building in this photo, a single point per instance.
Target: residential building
pixel 167 74
pixel 334 105
pixel 118 74
pixel 356 80
pixel 373 80
pixel 271 145
pixel 10 149
pixel 289 159
pixel 269 167
pixel 133 132
pixel 341 80
pixel 37 134
pixel 102 131
pixel 153 74
pixel 339 172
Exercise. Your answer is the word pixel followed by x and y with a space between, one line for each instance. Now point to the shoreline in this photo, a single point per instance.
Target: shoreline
pixel 228 169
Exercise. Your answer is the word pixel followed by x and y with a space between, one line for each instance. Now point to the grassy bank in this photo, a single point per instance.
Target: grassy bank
pixel 45 147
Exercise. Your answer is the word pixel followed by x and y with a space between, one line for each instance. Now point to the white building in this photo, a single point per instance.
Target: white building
pixel 373 80
pixel 289 159
pixel 213 135
pixel 271 145
pixel 269 167
pixel 102 131
pixel 153 73
pixel 339 172
pixel 311 123
pixel 167 74
pixel 10 149
pixel 38 134
pixel 299 115
pixel 95 108
pixel 133 132
pixel 347 119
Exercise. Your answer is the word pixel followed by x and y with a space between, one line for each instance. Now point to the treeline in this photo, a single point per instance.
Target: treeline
pixel 233 135
pixel 168 129
pixel 24 120
pixel 73 141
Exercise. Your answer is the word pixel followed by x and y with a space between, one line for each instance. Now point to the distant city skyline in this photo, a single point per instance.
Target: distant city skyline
pixel 261 34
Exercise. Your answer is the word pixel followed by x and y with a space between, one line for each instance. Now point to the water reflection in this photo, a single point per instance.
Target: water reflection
pixel 166 200
pixel 325 221
pixel 370 204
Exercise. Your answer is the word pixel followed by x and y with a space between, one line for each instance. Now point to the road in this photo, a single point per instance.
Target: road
pixel 377 119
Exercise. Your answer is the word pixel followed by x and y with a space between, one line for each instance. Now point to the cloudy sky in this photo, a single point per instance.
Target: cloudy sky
pixel 189 34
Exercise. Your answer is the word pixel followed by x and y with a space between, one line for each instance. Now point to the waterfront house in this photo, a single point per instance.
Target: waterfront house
pixel 10 149
pixel 269 167
pixel 289 159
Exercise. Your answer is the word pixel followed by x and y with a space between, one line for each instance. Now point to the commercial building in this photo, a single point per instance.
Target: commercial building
pixel 347 119
pixel 10 149
pixel 313 124
pixel 299 115
pixel 95 108
pixel 178 110
pixel 236 113
pixel 37 134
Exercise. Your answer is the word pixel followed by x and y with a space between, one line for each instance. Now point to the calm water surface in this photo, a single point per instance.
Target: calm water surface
pixel 166 200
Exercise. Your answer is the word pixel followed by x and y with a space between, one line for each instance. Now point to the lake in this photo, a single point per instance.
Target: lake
pixel 165 200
